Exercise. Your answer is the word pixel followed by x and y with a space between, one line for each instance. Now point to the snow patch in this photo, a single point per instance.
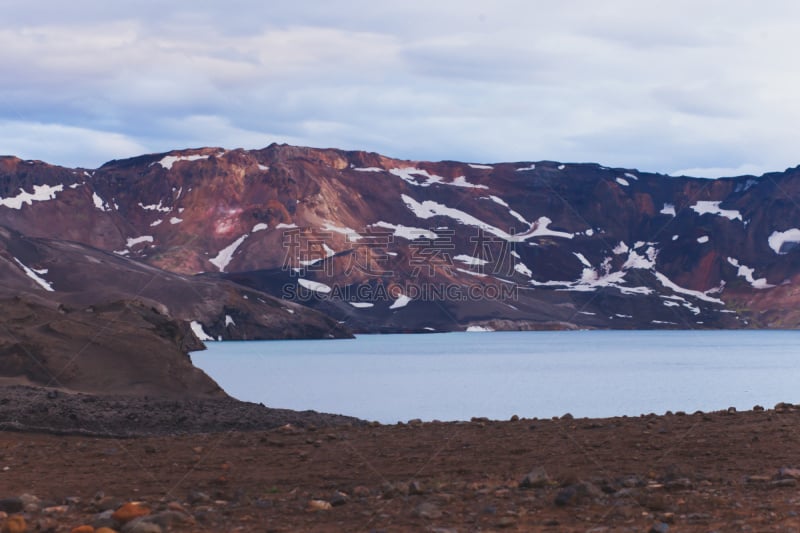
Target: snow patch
pixel 362 305
pixel 428 209
pixel 170 160
pixel 498 200
pixel 582 259
pixel 713 208
pixel 471 272
pixel 263 167
pixel 668 283
pixel 523 269
pixel 631 176
pixel 175 220
pixel 646 261
pixel 259 227
pixel 532 166
pixel 133 241
pixel 224 257
pixel 480 167
pixel 668 209
pixel 407 232
pixel 479 329
pixel 622 181
pixel 155 207
pixel 368 169
pixel 99 203
pixel 41 193
pixel 779 239
pixel 314 286
pixel 620 249
pixel 702 240
pixel 469 260
pixel 401 301
pixel 747 273
pixel 199 332
pixel 156 223
pixel 229 321
pixel 411 175
pixel 286 226
pixel 34 275
pixel 461 181
pixel 562 167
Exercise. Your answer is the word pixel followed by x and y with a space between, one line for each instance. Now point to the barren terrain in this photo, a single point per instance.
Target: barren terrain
pixel 720 471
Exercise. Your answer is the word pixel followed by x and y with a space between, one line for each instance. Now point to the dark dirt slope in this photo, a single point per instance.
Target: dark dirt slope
pixel 78 318
pixel 81 276
pixel 123 347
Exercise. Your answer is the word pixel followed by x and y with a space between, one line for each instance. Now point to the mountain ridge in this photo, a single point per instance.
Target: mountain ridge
pixel 595 246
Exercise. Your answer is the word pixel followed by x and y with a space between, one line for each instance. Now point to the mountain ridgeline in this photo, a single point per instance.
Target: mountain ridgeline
pixel 387 245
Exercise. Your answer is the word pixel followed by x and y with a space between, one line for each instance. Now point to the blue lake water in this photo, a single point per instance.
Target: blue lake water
pixel 455 376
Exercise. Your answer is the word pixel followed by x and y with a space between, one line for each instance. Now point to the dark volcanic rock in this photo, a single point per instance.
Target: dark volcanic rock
pixel 28 409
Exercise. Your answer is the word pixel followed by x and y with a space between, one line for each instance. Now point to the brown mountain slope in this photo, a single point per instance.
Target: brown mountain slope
pixel 391 245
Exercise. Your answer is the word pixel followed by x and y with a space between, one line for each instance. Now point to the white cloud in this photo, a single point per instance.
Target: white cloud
pixel 64 144
pixel 665 87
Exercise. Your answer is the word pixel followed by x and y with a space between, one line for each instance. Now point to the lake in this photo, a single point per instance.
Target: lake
pixel 455 376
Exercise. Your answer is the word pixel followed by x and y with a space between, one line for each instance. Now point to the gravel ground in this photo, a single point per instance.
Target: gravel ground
pixel 42 410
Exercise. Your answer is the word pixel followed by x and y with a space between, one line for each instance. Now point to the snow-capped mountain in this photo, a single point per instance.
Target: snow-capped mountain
pixel 390 245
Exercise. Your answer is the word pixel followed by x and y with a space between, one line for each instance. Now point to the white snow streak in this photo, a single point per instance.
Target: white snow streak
pixel 712 208
pixel 46 285
pixel 155 207
pixel 224 257
pixel 429 208
pixel 199 332
pixel 138 240
pixel 461 181
pixel 469 260
pixel 401 301
pixel 747 273
pixel 407 232
pixel 170 160
pixel 41 193
pixel 99 203
pixel 314 286
pixel 668 283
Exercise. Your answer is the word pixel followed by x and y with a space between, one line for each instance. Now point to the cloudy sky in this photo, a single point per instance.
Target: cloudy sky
pixel 706 88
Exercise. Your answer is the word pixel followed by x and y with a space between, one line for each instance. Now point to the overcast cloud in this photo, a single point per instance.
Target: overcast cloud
pixel 707 88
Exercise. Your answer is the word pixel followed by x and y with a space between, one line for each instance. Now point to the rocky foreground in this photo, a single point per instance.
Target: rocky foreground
pixel 719 471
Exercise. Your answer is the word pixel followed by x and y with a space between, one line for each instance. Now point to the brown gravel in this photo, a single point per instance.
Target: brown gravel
pixel 717 471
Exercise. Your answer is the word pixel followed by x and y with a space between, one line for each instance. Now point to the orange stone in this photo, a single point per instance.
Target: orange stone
pixel 82 529
pixel 129 511
pixel 15 524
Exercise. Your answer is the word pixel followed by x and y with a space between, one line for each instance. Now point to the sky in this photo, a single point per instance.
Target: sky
pixel 705 88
